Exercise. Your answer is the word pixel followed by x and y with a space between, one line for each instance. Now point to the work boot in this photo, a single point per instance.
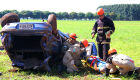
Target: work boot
pixel 117 72
pixel 130 73
pixel 61 68
pixel 107 72
pixel 137 71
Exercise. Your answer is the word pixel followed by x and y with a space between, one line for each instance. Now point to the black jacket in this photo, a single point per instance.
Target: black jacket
pixel 101 27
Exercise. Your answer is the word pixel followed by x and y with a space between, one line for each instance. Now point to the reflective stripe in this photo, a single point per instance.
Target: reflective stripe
pixel 75 66
pixel 106 27
pixel 105 43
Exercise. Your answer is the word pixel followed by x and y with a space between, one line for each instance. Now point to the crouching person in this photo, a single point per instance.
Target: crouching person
pixel 72 56
pixel 125 63
pixel 69 42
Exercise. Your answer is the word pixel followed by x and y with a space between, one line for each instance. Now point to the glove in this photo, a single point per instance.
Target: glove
pixel 108 34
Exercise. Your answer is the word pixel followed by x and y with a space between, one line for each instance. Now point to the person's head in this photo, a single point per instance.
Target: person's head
pixel 72 38
pixel 112 51
pixel 100 13
pixel 84 43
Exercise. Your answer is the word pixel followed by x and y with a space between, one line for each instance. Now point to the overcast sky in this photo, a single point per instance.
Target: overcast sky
pixel 60 5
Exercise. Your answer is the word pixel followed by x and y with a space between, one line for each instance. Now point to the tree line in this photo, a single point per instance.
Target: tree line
pixel 115 12
pixel 36 14
pixel 123 11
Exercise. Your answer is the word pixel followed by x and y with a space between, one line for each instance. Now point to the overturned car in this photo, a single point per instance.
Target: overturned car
pixel 32 45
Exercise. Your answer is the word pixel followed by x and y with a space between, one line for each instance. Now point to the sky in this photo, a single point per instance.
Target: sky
pixel 60 5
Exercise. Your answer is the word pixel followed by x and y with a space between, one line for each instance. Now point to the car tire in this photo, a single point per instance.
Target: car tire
pixel 9 18
pixel 52 21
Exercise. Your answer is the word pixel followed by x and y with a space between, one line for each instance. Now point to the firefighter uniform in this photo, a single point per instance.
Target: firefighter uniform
pixel 102 27
pixel 125 63
pixel 72 57
pixel 66 45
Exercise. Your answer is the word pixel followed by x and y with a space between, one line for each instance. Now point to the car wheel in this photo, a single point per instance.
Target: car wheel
pixel 9 18
pixel 52 21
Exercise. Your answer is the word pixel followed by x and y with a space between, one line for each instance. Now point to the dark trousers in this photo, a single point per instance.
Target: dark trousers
pixel 103 51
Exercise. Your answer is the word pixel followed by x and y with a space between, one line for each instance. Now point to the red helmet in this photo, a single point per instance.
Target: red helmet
pixel 100 11
pixel 73 35
pixel 110 51
pixel 84 42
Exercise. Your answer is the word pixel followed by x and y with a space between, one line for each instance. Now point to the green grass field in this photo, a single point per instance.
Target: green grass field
pixel 125 39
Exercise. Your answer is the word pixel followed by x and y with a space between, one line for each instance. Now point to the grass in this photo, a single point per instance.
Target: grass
pixel 125 40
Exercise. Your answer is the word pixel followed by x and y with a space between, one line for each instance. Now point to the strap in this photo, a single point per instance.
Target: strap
pixel 92 62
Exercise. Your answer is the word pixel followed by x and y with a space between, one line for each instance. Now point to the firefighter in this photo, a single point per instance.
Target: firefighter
pixel 71 58
pixel 125 63
pixel 90 50
pixel 104 27
pixel 69 42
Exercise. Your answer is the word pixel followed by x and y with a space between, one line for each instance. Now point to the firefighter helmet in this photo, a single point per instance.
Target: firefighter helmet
pixel 111 51
pixel 73 36
pixel 100 11
pixel 84 42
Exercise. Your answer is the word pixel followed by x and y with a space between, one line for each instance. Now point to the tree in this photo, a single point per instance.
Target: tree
pixel 95 16
pixel 59 15
pixel 124 11
pixel 37 14
pixel 26 14
pixel 113 15
pixel 73 15
pixel 45 14
pixel 89 16
pixel 62 15
pixel 65 15
pixel 81 15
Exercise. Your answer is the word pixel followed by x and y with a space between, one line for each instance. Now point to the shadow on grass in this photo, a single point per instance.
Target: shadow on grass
pixel 82 73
